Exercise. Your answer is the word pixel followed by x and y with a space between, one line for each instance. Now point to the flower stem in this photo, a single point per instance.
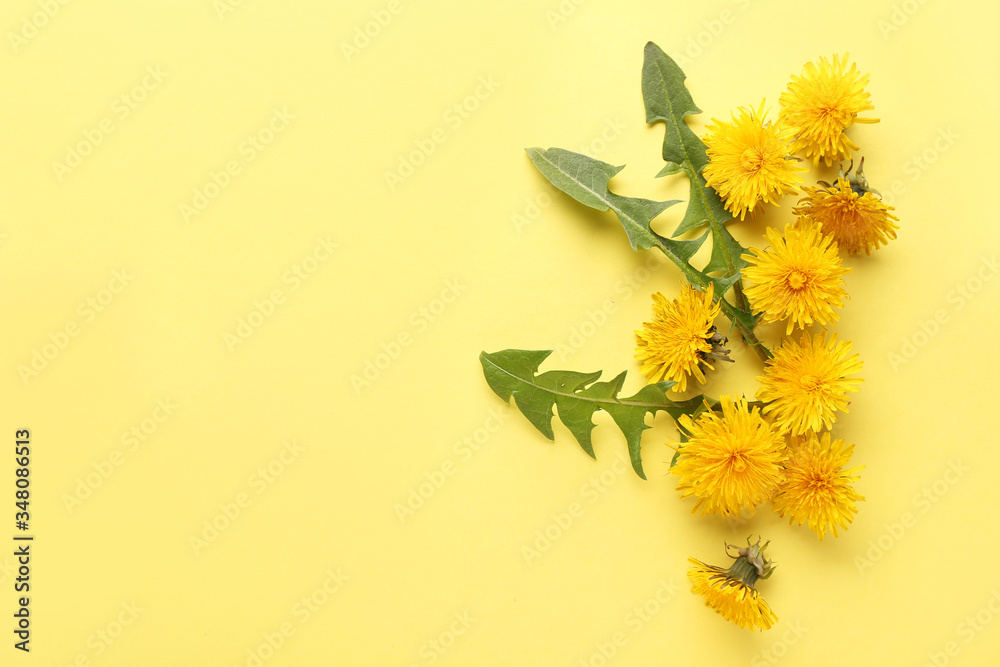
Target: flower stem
pixel 741 300
pixel 746 333
pixel 732 312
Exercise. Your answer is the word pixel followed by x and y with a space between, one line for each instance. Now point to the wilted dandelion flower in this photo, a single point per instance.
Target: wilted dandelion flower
pixel 806 382
pixel 749 161
pixel 823 102
pixel 731 592
pixel 850 212
pixel 817 490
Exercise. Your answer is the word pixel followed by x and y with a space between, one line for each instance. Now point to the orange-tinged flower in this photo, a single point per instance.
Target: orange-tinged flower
pixel 850 212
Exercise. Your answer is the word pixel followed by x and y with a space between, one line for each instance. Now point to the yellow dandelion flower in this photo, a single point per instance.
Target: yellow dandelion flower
pixel 806 382
pixel 823 102
pixel 681 339
pixel 798 279
pixel 850 212
pixel 731 462
pixel 731 592
pixel 749 161
pixel 817 489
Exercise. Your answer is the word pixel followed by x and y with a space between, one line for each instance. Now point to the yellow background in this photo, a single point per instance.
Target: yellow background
pixel 455 582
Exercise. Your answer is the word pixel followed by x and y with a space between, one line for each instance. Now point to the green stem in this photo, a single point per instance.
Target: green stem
pixel 717 228
pixel 749 337
pixel 741 300
pixel 696 277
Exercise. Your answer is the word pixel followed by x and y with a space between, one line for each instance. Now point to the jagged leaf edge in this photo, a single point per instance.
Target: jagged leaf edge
pixel 589 391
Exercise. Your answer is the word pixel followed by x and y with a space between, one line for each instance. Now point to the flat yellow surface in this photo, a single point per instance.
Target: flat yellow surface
pixel 250 252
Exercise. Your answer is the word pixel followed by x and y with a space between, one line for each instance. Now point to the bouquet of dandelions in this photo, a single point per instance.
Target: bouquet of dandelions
pixel 733 454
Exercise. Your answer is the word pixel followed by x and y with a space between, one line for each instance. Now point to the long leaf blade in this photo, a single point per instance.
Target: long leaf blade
pixel 667 99
pixel 514 374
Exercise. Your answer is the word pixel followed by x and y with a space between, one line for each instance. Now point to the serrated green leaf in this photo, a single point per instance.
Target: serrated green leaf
pixel 667 99
pixel 582 178
pixel 514 374
pixel 726 254
pixel 670 169
pixel 704 204
pixel 586 180
pixel 726 259
pixel 748 320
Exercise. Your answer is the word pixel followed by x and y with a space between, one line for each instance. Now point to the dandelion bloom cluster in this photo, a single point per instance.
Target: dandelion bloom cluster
pixel 749 161
pixel 798 279
pixel 735 455
pixel 821 103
